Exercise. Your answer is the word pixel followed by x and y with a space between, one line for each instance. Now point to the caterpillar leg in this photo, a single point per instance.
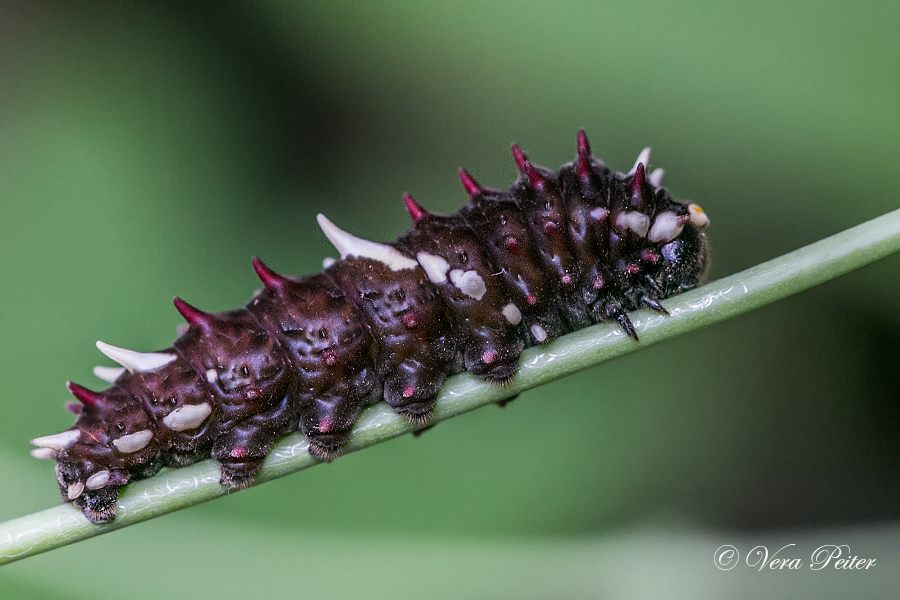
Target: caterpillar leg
pixel 326 425
pixel 99 506
pixel 328 419
pixel 241 450
pixel 412 390
pixel 95 495
pixel 492 357
pixel 406 315
pixel 610 309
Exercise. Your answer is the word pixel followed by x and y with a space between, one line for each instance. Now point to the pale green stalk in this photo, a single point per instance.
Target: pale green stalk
pixel 717 301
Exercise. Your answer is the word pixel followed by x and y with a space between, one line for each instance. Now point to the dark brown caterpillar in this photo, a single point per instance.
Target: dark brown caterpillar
pixel 469 291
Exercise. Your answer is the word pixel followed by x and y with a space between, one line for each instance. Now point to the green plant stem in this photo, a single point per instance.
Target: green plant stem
pixel 179 488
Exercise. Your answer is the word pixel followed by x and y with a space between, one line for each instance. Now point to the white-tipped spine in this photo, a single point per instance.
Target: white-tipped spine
pixel 44 453
pixel 348 244
pixel 109 374
pixel 666 227
pixel 57 441
pixel 643 157
pixel 136 362
pixel 636 221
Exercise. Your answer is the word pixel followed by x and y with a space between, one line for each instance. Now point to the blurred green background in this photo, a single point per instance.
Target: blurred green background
pixel 150 149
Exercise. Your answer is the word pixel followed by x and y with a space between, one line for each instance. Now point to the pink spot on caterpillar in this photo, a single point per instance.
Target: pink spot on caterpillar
pixel 489 356
pixel 512 244
pixel 566 279
pixel 325 425
pixel 331 358
pixel 551 229
pixel 408 391
pixel 650 257
pixel 238 452
pixel 531 299
pixel 599 282
pixel 632 269
pixel 410 320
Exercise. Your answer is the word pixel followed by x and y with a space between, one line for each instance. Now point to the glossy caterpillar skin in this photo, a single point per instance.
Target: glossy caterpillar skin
pixel 556 252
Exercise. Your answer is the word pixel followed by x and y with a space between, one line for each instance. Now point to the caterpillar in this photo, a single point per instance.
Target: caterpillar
pixel 558 251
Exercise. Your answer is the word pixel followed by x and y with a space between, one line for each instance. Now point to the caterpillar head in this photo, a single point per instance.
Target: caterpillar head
pixel 111 439
pixel 685 259
pixel 91 488
pixel 114 429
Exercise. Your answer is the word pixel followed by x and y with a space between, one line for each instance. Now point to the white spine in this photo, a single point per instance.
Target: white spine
pixel 109 374
pixel 140 362
pixel 349 245
pixel 57 441
pixel 643 157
